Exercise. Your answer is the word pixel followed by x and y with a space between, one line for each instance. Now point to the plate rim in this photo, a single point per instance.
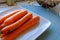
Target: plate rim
pixel 36 14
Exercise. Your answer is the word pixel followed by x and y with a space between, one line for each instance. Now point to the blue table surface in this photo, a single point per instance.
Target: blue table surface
pixel 52 33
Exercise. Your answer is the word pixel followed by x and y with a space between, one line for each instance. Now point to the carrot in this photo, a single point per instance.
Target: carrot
pixel 13 18
pixel 6 16
pixel 15 25
pixel 24 27
pixel 0 22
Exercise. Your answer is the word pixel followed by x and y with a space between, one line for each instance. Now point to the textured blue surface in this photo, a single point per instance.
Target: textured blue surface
pixel 53 32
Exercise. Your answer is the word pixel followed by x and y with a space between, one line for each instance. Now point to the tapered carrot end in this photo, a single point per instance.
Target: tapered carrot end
pixel 38 17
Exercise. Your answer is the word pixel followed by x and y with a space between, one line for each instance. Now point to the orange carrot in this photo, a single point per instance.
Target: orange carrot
pixel 24 27
pixel 15 25
pixel 0 21
pixel 13 18
pixel 6 16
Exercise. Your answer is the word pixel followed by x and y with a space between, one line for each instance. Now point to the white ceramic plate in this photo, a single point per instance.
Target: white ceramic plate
pixel 34 32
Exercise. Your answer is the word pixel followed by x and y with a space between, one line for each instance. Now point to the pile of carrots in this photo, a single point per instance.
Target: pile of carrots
pixel 14 23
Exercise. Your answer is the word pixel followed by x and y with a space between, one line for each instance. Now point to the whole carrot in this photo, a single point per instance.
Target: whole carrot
pixel 7 16
pixel 17 32
pixel 13 18
pixel 16 25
